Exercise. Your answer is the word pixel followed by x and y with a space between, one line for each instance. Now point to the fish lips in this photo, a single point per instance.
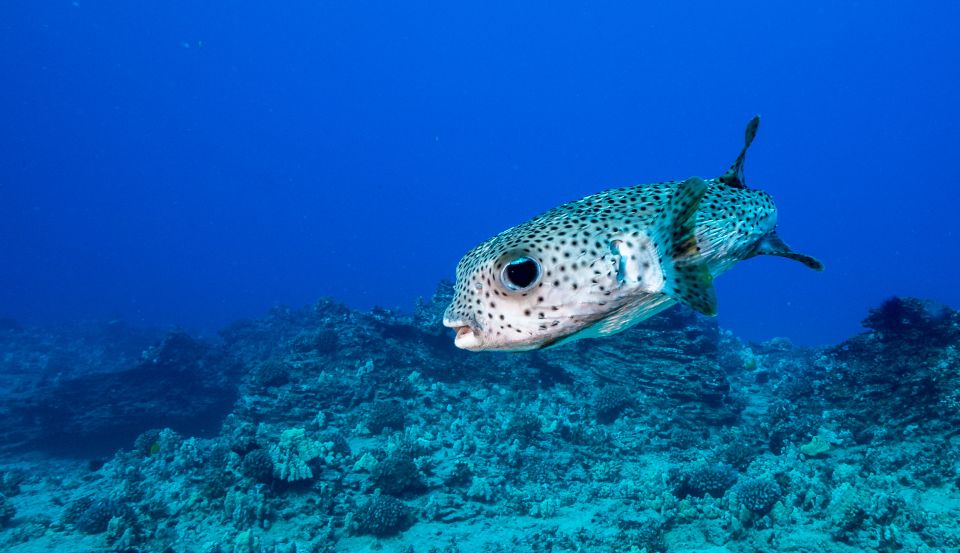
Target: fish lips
pixel 468 335
pixel 467 339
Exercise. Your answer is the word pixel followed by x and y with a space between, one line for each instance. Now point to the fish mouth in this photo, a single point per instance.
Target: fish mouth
pixel 468 337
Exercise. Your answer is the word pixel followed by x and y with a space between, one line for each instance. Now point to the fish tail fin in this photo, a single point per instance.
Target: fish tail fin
pixel 687 278
pixel 734 175
pixel 772 244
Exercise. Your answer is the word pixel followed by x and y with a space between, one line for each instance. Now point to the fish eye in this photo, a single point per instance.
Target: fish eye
pixel 520 274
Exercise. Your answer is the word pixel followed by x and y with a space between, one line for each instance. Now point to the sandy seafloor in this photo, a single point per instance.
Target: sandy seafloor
pixel 327 429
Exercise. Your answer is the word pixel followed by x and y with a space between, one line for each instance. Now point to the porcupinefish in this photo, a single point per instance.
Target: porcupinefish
pixel 596 266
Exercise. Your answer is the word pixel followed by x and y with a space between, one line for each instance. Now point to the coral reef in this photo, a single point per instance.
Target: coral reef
pixel 759 494
pixel 397 475
pixel 258 464
pixel 325 429
pixel 610 401
pixel 292 454
pixel 386 415
pixel 381 515
pixel 905 366
pixel 95 515
pixel 703 479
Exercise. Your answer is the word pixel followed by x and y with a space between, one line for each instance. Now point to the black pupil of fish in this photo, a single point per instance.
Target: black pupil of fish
pixel 522 272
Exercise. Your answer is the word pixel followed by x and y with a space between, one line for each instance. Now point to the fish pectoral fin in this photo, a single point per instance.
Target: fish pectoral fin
pixel 687 278
pixel 693 285
pixel 676 224
pixel 734 175
pixel 772 244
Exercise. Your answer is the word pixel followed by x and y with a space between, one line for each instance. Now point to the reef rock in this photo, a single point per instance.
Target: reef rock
pixel 182 383
pixel 904 371
pixel 356 431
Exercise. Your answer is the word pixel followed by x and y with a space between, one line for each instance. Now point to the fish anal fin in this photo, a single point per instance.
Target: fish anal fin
pixel 772 244
pixel 734 175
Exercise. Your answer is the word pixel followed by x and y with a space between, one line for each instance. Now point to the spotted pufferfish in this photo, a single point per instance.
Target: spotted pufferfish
pixel 596 266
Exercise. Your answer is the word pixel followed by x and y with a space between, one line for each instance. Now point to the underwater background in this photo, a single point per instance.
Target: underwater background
pixel 227 231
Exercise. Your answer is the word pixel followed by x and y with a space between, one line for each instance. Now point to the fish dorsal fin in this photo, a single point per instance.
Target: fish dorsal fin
pixel 687 278
pixel 734 175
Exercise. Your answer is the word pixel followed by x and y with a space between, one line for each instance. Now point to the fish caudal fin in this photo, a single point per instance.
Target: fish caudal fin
pixel 771 244
pixel 734 175
pixel 687 278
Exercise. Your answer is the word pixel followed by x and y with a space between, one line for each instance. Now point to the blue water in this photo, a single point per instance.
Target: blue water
pixel 191 163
